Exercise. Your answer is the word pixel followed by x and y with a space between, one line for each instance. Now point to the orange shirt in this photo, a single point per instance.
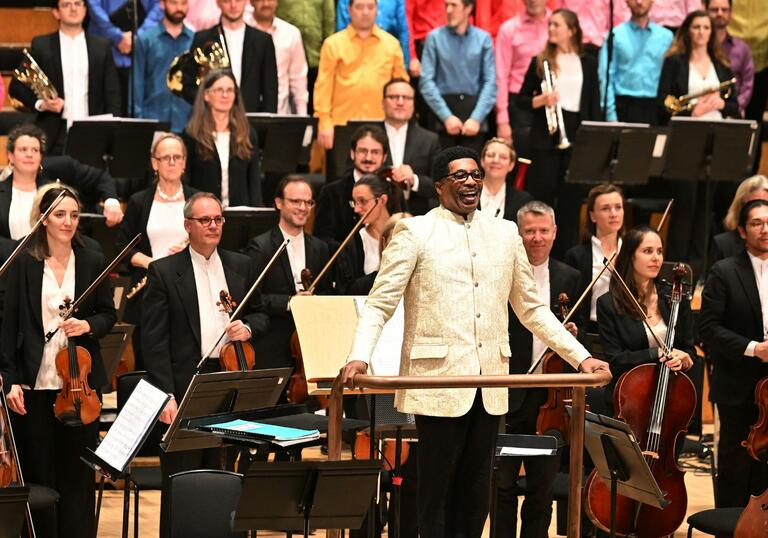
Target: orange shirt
pixel 351 76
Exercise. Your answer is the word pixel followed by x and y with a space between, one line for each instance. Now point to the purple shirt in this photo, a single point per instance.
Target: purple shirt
pixel 741 65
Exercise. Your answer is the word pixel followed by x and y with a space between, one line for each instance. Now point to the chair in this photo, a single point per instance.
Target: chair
pixel 203 503
pixel 43 503
pixel 716 521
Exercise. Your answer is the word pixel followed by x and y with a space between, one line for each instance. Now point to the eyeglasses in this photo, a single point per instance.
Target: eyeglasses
pixel 460 176
pixel 757 224
pixel 222 91
pixel 372 152
pixel 361 202
pixel 167 159
pixel 399 97
pixel 67 5
pixel 298 203
pixel 205 222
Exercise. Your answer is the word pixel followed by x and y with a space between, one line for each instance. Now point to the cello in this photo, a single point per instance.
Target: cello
pixel 657 426
pixel 234 356
pixel 754 519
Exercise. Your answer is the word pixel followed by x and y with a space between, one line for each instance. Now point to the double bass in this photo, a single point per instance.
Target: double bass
pixel 658 405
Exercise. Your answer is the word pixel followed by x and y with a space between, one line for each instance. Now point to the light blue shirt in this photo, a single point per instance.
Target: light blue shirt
pixel 458 64
pixel 638 54
pixel 390 17
pixel 100 24
pixel 155 50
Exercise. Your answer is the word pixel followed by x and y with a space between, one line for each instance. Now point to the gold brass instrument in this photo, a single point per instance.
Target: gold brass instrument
pixel 555 123
pixel 685 103
pixel 201 60
pixel 32 76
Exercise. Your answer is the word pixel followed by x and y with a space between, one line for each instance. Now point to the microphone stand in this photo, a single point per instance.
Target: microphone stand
pixel 609 45
pixel 131 108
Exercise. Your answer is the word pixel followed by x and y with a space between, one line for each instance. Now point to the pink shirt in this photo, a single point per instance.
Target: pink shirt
pixel 672 12
pixel 519 39
pixel 203 14
pixel 593 17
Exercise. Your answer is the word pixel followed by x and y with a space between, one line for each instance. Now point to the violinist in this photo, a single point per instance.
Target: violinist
pixel 536 222
pixel 181 320
pixel 734 329
pixel 294 202
pixel 54 267
pixel 626 339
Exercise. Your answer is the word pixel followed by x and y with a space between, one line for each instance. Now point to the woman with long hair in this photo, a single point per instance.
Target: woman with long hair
pixel 55 266
pixel 500 198
pixel 222 147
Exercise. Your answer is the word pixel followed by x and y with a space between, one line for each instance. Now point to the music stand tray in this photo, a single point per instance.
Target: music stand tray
pixel 13 504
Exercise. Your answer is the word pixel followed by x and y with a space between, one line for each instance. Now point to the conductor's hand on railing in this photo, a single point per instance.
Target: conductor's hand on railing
pixel 592 365
pixel 350 370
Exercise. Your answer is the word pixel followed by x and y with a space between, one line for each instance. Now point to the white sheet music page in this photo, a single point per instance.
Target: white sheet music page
pixel 131 425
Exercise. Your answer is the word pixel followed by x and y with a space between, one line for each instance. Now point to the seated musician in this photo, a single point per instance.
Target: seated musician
pixel 499 196
pixel 29 169
pixel 293 200
pixel 536 223
pixel 157 213
pixel 54 266
pixel 729 243
pixel 181 320
pixel 627 341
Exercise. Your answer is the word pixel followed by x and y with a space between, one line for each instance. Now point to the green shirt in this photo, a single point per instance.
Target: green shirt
pixel 316 19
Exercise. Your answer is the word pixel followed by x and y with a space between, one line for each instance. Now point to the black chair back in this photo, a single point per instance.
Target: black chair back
pixel 203 503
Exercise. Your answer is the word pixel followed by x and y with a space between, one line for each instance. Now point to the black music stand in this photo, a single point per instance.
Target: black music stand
pixel 619 461
pixel 243 224
pixel 112 346
pixel 13 505
pixel 281 139
pixel 306 495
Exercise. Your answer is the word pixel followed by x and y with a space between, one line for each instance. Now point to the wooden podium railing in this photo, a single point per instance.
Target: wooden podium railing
pixel 579 382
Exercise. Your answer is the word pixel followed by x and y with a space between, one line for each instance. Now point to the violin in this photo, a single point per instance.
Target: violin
pixel 234 356
pixel 658 405
pixel 76 403
pixel 757 440
pixel 297 390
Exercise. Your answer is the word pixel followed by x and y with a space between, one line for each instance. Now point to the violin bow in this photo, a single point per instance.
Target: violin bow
pixel 665 215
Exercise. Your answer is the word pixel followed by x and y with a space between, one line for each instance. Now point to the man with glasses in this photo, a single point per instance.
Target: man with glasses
pixel 411 147
pixel 80 67
pixel 456 270
pixel 181 320
pixel 293 200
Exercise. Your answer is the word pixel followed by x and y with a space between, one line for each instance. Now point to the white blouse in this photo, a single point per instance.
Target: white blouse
pixel 697 83
pixel 371 251
pixel 569 81
pixel 165 227
pixel 604 282
pixel 19 212
pixel 222 148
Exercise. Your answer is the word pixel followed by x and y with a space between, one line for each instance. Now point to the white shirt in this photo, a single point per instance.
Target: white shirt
pixel 235 40
pixel 292 67
pixel 493 204
pixel 397 137
pixel 541 275
pixel 371 252
pixel 51 298
pixel 222 148
pixel 296 256
pixel 602 285
pixel 569 81
pixel 19 212
pixel 761 278
pixel 74 71
pixel 209 281
pixel 697 83
pixel 165 227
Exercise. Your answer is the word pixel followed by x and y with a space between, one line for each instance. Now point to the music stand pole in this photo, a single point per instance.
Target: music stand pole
pixel 618 471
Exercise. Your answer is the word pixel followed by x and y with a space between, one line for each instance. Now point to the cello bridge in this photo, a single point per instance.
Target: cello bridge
pixel 651 454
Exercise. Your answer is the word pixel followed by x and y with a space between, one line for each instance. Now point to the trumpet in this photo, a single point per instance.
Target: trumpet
pixel 554 114
pixel 33 77
pixel 201 60
pixel 685 103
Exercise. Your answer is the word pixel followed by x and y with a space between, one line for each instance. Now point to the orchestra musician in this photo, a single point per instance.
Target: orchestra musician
pixel 181 321
pixel 55 266
pixel 626 339
pixel 456 270
pixel 729 243
pixel 536 223
pixel 157 213
pixel 499 196
pixel 293 200
pixel 734 329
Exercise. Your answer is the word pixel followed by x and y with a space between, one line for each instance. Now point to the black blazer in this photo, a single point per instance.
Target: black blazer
pixel 730 319
pixel 580 258
pixel 277 288
pixel 258 81
pixel 350 272
pixel 726 244
pixel 244 176
pixel 23 337
pixel 421 147
pixel 103 85
pixel 334 216
pixel 625 342
pixel 514 199
pixel 170 320
pixel 92 184
pixel 674 81
pixel 134 222
pixel 562 279
pixel 6 248
pixel 589 108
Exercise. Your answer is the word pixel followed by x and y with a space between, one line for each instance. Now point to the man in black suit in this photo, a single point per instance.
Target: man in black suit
pixel 335 217
pixel 181 321
pixel 293 199
pixel 411 147
pixel 251 54
pixel 536 221
pixel 90 71
pixel 734 329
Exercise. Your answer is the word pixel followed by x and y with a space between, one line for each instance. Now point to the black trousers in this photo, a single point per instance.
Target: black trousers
pixel 474 142
pixel 49 455
pixel 636 109
pixel 454 464
pixel 520 120
pixel 540 472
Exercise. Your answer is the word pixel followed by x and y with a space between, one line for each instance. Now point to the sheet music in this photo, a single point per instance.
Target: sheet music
pixel 131 425
pixel 386 356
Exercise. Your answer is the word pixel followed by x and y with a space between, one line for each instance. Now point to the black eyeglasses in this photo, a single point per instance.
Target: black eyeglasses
pixel 205 222
pixel 460 176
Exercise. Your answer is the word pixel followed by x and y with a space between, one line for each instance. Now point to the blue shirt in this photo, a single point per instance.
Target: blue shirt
pixel 638 54
pixel 100 24
pixel 390 17
pixel 454 64
pixel 154 52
